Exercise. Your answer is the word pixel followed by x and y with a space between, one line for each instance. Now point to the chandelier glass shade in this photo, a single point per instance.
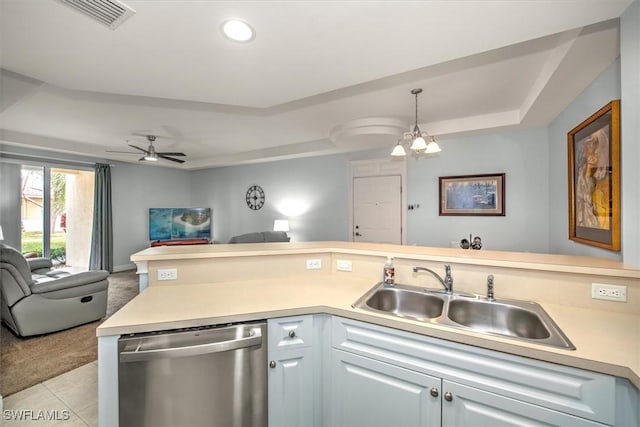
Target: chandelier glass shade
pixel 417 138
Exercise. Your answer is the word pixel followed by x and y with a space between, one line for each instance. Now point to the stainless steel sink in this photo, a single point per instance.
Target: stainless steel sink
pixel 404 302
pixel 520 320
pixel 498 319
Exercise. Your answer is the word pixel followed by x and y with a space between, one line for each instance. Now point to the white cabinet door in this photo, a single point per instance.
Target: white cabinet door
pixel 291 388
pixel 464 406
pixel 369 393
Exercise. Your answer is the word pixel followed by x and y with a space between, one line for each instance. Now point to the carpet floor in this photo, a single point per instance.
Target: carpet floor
pixel 28 361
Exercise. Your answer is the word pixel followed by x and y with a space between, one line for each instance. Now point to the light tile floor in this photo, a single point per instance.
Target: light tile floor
pixel 69 400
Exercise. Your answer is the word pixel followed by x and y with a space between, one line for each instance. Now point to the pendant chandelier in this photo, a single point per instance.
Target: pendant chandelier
pixel 416 137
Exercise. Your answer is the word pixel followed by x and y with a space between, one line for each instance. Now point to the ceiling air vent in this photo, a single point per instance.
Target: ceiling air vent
pixel 111 13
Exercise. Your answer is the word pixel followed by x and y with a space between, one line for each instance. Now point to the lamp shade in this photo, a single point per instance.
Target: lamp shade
pixel 432 146
pixel 419 144
pixel 398 151
pixel 281 225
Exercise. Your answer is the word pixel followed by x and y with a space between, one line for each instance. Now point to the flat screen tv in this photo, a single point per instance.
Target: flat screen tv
pixel 179 223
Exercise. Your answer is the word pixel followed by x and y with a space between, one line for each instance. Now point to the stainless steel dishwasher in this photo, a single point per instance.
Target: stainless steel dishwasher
pixel 213 376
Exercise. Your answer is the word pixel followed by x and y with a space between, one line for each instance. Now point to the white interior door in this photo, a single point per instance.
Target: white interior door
pixel 377 209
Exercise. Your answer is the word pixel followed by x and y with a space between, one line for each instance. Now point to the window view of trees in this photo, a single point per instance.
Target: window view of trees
pixel 68 211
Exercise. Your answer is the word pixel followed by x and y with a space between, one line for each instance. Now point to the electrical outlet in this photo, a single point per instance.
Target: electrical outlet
pixel 609 292
pixel 167 274
pixel 343 265
pixel 314 264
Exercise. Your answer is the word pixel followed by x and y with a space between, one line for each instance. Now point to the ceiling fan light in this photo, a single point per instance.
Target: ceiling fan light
pixel 151 158
pixel 237 30
pixel 398 151
pixel 419 144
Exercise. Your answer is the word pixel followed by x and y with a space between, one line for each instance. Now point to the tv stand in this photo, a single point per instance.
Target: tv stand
pixel 179 242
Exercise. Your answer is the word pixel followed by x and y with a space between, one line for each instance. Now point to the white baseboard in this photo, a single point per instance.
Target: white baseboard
pixel 124 267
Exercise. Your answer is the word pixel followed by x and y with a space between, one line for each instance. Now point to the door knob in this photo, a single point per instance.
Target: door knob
pixel 434 392
pixel 272 364
pixel 448 396
pixel 292 334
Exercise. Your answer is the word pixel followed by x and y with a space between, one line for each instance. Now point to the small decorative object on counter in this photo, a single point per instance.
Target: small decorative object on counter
pixel 475 243
pixel 389 273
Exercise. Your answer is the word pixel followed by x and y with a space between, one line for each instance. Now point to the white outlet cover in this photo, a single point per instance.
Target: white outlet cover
pixel 167 274
pixel 609 292
pixel 344 265
pixel 314 264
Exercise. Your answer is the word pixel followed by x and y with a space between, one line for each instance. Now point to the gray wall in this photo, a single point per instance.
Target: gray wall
pixel 521 155
pixel 322 185
pixel 630 118
pixel 317 186
pixel 604 89
pixel 136 188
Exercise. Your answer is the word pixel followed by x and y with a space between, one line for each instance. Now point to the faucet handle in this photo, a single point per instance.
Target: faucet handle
pixel 490 296
pixel 447 273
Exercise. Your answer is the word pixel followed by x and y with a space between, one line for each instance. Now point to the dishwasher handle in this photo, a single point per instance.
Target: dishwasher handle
pixel 137 355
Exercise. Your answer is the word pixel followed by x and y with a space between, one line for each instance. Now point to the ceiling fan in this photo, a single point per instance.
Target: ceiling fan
pixel 150 154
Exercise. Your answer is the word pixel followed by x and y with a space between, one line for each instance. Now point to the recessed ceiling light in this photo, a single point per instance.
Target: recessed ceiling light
pixel 237 30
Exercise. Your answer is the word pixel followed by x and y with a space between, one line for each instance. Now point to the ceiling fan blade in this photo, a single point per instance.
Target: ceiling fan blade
pixel 141 159
pixel 170 158
pixel 164 153
pixel 136 147
pixel 124 152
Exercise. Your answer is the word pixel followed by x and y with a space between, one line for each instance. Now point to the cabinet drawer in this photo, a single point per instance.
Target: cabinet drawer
pixel 574 391
pixel 290 332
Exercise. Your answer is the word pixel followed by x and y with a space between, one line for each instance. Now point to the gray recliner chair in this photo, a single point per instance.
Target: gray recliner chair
pixel 37 299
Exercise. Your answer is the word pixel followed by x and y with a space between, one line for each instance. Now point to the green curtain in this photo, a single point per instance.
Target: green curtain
pixel 102 237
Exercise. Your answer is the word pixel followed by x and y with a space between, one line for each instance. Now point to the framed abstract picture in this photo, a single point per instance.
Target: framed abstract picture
pixel 594 179
pixel 473 195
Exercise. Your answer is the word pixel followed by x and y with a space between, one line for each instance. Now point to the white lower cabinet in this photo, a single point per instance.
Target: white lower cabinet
pixel 369 393
pixel 290 372
pixel 350 373
pixel 290 391
pixel 464 406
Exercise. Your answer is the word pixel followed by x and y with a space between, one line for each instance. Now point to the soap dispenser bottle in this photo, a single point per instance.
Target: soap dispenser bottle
pixel 389 273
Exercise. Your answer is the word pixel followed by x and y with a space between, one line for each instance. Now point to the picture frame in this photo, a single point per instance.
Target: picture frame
pixel 472 195
pixel 594 179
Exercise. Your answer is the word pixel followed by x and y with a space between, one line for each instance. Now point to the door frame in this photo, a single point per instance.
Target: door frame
pixel 374 168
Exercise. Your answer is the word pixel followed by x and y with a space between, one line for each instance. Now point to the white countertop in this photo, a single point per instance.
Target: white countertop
pixel 607 342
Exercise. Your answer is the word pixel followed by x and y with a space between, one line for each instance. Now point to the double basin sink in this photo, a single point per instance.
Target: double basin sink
pixel 520 320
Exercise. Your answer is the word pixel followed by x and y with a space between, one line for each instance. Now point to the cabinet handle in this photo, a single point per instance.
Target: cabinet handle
pixel 292 334
pixel 448 396
pixel 272 364
pixel 434 392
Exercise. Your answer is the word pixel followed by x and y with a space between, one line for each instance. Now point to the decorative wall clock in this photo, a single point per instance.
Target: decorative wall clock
pixel 255 197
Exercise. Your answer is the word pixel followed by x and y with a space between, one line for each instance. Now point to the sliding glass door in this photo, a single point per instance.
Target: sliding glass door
pixel 57 214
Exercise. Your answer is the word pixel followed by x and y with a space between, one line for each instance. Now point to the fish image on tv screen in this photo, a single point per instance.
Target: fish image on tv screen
pixel 179 223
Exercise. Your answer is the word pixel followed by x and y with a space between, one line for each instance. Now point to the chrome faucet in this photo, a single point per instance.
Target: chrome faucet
pixel 447 282
pixel 490 296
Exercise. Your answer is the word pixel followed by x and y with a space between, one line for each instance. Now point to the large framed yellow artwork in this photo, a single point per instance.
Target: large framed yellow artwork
pixel 594 179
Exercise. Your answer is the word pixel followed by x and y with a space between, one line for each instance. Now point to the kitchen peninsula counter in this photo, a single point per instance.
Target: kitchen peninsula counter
pixel 219 284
